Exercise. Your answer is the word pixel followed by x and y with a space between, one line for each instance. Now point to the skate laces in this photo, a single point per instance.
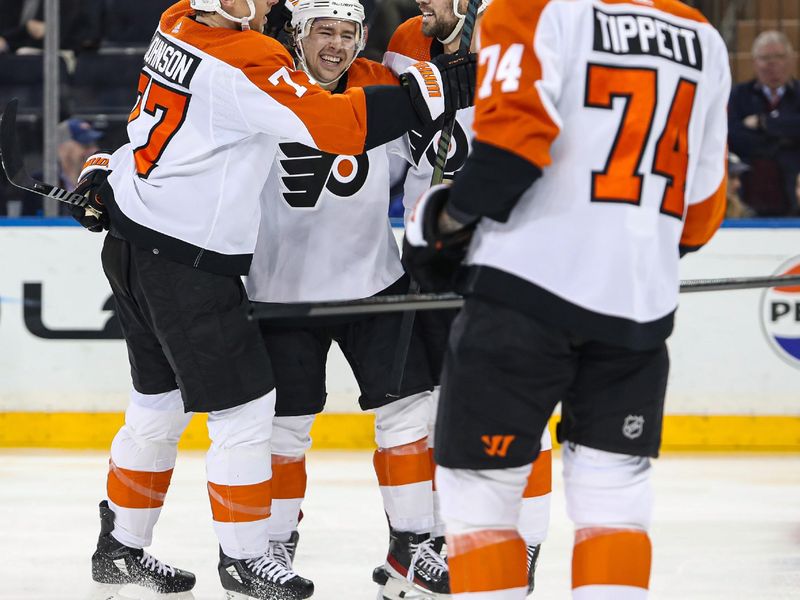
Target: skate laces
pixel 425 556
pixel 155 565
pixel 282 551
pixel 269 567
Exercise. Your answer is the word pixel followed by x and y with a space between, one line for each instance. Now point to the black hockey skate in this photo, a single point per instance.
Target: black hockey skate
pixel 284 552
pixel 117 564
pixel 263 578
pixel 414 569
pixel 533 556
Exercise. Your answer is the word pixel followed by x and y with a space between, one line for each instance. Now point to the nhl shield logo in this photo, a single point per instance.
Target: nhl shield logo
pixel 633 426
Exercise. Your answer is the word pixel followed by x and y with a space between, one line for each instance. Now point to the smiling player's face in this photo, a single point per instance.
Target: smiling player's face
pixel 329 48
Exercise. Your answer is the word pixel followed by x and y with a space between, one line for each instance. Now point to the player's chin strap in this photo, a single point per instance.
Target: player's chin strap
pixel 460 25
pixel 244 22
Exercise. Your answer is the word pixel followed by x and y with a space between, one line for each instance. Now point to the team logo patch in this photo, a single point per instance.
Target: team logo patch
pixel 307 172
pixel 780 315
pixel 497 445
pixel 426 143
pixel 633 427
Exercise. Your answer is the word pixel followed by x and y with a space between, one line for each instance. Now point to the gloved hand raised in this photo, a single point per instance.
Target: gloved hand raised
pixel 430 255
pixel 444 85
pixel 93 216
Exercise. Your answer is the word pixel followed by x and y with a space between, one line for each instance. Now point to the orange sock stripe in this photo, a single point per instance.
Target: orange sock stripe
pixel 540 481
pixel 137 489
pixel 612 557
pixel 433 468
pixel 289 477
pixel 477 567
pixel 240 503
pixel 403 465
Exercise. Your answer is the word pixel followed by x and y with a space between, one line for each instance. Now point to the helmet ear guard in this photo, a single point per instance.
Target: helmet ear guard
pixel 216 6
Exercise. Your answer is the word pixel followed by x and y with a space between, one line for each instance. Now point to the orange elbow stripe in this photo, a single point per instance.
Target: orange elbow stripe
pixel 540 481
pixel 486 568
pixel 612 557
pixel 137 489
pixel 703 219
pixel 403 465
pixel 240 503
pixel 288 478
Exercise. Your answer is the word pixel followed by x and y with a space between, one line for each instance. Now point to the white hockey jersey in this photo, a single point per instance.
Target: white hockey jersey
pixel 212 105
pixel 325 232
pixel 408 46
pixel 622 104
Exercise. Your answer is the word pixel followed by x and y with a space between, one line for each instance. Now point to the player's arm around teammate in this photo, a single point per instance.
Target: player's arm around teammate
pixel 573 274
pixel 214 98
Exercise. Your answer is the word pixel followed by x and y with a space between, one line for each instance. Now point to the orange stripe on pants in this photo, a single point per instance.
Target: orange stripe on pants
pixel 540 481
pixel 288 477
pixel 240 503
pixel 403 465
pixel 433 468
pixel 487 561
pixel 137 489
pixel 604 556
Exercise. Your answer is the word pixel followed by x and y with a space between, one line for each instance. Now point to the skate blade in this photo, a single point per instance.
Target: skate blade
pixel 402 589
pixel 123 591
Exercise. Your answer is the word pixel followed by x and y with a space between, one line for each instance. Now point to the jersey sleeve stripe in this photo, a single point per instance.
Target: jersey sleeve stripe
pixel 704 218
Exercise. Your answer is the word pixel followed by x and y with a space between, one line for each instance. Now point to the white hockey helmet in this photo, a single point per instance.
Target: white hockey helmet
pixel 215 6
pixel 304 12
pixel 461 17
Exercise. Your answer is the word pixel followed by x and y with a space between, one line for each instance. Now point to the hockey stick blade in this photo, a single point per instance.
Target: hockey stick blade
pixel 14 168
pixel 414 302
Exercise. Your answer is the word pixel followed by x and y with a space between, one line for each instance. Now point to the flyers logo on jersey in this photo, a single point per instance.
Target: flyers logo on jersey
pixel 307 172
pixel 780 315
pixel 426 142
pixel 497 445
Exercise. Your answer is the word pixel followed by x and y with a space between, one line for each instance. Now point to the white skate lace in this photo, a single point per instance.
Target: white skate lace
pixel 427 559
pixel 282 551
pixel 531 552
pixel 269 568
pixel 155 565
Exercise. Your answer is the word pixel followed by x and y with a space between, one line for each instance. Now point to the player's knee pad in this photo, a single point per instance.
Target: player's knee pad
pixel 488 499
pixel 240 442
pixel 153 425
pixel 607 489
pixel 291 435
pixel 403 421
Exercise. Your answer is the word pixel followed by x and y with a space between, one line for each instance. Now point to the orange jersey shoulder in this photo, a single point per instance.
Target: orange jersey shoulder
pixel 671 7
pixel 409 40
pixel 364 72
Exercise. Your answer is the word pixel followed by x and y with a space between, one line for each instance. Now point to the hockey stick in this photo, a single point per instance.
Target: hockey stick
pixel 413 302
pixel 14 168
pixel 407 323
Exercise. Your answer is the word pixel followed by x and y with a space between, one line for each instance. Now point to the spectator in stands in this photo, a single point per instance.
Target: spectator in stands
pixel 764 127
pixel 735 208
pixel 77 140
pixel 80 26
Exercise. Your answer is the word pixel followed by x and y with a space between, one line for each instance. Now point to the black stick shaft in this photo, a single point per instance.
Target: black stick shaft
pixel 407 323
pixel 413 302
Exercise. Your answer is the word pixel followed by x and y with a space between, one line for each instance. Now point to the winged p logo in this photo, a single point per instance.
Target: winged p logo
pixel 307 172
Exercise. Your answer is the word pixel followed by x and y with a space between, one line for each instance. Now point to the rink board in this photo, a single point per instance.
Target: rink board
pixel 64 375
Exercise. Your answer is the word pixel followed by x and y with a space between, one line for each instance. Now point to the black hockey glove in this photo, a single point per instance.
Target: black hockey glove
pixel 431 257
pixel 94 215
pixel 444 85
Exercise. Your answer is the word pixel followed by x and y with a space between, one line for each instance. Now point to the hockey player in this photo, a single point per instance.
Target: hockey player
pixel 214 98
pixel 599 158
pixel 325 235
pixel 435 32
